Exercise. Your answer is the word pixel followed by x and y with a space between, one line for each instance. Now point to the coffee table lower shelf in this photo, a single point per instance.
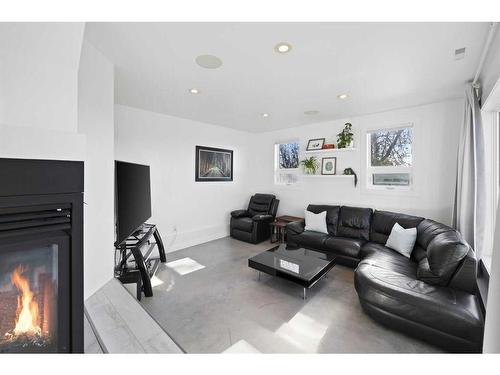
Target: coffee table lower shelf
pixel 300 266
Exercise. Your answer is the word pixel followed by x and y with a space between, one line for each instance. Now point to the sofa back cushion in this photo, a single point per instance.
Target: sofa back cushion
pixel 428 229
pixel 354 222
pixel 445 250
pixel 260 204
pixel 383 222
pixel 332 216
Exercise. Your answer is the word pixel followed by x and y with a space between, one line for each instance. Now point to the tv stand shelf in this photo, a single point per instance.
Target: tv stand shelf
pixel 136 261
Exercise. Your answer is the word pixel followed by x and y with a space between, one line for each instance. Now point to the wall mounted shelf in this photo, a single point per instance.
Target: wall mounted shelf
pixel 329 175
pixel 330 150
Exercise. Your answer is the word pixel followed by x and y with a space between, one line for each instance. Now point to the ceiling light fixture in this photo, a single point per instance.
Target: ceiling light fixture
pixel 311 112
pixel 342 96
pixel 265 115
pixel 194 91
pixel 283 47
pixel 208 61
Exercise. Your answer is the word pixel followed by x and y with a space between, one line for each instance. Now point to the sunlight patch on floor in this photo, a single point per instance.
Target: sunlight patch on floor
pixel 241 346
pixel 303 332
pixel 184 266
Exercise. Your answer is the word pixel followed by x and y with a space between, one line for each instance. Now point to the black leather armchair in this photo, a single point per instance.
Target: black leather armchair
pixel 252 225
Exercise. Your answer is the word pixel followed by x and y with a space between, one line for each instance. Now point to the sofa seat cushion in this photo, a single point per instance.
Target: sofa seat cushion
pixel 418 254
pixel 383 257
pixel 310 239
pixel 243 223
pixel 354 222
pixel 444 309
pixel 349 247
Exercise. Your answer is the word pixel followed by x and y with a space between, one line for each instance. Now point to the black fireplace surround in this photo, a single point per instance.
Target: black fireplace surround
pixel 41 256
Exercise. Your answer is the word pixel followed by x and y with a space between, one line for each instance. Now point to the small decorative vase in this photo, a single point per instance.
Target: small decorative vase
pixel 309 171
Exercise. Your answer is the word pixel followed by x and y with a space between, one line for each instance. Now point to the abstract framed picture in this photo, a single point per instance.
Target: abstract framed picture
pixel 329 166
pixel 213 164
pixel 315 144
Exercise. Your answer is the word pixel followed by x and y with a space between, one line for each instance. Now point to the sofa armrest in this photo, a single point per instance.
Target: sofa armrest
pixel 240 213
pixel 263 218
pixel 295 227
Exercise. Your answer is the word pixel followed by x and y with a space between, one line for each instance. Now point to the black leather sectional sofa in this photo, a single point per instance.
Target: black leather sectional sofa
pixel 430 296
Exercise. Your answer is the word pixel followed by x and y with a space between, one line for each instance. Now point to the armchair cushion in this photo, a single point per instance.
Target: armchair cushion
pixel 244 224
pixel 260 204
pixel 263 218
pixel 240 213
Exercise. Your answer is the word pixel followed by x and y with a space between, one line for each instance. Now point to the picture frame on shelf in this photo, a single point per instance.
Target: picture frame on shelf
pixel 329 166
pixel 315 144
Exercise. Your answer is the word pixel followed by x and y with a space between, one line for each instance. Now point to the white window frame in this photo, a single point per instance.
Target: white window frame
pixel 370 170
pixel 278 171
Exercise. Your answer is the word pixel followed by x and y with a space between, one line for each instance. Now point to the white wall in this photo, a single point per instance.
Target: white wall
pixel 40 118
pixel 38 74
pixel 186 212
pixel 38 86
pixel 491 69
pixel 95 120
pixel 436 130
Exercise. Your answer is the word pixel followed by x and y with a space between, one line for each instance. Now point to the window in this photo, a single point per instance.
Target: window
pixel 492 159
pixel 286 163
pixel 390 158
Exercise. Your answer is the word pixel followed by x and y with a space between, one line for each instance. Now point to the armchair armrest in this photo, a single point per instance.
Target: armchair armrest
pixel 263 218
pixel 295 227
pixel 240 213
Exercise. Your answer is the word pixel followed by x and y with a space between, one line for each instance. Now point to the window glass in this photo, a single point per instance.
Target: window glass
pixel 288 155
pixel 286 165
pixel 390 158
pixel 391 179
pixel 391 147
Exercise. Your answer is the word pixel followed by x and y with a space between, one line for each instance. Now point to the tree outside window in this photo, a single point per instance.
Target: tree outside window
pixel 288 155
pixel 390 158
pixel 286 163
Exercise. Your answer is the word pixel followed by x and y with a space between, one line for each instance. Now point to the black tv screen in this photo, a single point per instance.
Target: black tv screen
pixel 133 198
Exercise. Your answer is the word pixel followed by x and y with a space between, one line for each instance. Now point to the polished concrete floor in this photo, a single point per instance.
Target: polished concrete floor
pixel 209 301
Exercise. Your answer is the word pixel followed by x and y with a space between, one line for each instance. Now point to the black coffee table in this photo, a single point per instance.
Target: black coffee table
pixel 301 266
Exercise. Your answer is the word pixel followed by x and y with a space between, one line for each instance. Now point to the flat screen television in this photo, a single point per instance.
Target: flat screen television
pixel 133 198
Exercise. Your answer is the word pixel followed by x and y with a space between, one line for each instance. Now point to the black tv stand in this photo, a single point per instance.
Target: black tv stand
pixel 136 263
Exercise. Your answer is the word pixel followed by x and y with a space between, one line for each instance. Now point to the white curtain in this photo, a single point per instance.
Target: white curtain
pixel 470 197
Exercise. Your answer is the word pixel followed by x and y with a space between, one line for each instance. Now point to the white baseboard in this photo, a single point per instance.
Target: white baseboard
pixel 174 241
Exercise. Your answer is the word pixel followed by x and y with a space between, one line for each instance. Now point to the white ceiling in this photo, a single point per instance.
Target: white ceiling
pixel 382 66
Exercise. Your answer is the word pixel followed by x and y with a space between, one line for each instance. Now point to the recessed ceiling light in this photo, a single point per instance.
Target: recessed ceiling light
pixel 194 91
pixel 311 112
pixel 342 96
pixel 265 115
pixel 283 47
pixel 208 61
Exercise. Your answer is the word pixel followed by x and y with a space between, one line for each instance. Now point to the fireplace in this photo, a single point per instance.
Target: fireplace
pixel 41 262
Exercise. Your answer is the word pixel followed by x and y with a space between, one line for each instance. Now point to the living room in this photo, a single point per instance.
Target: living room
pixel 249 187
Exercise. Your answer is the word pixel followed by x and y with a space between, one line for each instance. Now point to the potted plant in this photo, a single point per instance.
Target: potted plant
pixel 345 137
pixel 310 165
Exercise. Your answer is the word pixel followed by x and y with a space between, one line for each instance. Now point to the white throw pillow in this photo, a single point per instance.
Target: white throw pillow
pixel 402 240
pixel 316 222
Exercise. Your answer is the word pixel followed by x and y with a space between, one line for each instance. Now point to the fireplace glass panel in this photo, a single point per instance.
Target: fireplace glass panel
pixel 29 299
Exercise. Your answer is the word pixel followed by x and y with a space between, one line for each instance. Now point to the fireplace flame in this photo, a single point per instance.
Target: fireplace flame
pixel 27 317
